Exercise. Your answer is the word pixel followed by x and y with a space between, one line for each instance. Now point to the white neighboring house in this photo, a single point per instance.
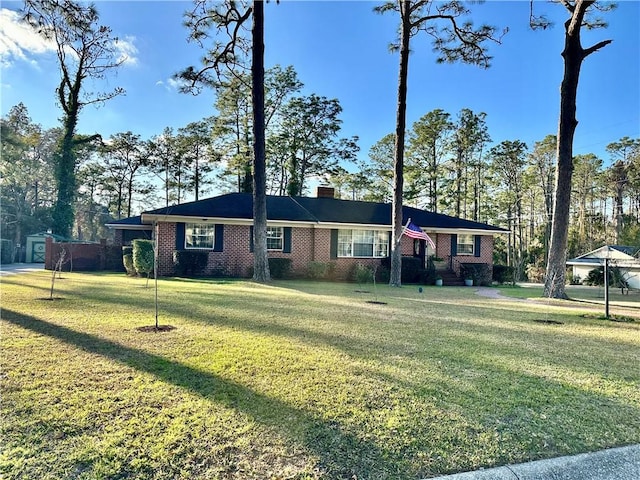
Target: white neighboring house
pixel 620 256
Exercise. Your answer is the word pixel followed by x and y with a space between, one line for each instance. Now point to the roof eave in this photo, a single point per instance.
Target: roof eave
pixel 125 226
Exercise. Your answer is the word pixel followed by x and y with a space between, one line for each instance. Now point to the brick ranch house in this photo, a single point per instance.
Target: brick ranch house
pixel 303 229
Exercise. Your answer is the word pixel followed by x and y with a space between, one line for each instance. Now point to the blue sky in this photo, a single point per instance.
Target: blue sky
pixel 340 50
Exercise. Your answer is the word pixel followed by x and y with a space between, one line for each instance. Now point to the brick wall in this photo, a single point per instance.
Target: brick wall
pixel 166 246
pixel 236 259
pixel 307 245
pixel 443 250
pixel 443 246
pixel 83 256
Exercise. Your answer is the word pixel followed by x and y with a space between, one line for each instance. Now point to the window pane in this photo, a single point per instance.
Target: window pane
pixel 363 243
pixel 344 250
pixel 381 250
pixel 363 250
pixel 465 244
pixel 199 235
pixel 382 244
pixel 344 236
pixel 345 243
pixel 363 236
pixel 274 238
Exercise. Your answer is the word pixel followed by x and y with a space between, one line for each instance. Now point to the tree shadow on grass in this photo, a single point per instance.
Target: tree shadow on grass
pixel 342 454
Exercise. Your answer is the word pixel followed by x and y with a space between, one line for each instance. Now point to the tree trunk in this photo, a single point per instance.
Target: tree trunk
pixel 260 259
pixel 247 175
pixel 398 170
pixel 130 194
pixel 196 179
pixel 573 56
pixel 619 192
pixel 63 213
pixel 458 181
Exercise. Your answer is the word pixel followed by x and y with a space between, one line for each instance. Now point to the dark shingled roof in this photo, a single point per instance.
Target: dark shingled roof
pixel 237 205
pixel 307 209
pixel 131 221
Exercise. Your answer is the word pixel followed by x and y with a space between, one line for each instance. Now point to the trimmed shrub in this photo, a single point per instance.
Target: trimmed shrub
pixel 317 270
pixel 412 271
pixel 321 270
pixel 127 260
pixel 143 256
pixel 188 263
pixel 113 258
pixel 383 274
pixel 280 267
pixel 478 272
pixel 502 273
pixel 361 274
pixel 6 251
pixel 428 276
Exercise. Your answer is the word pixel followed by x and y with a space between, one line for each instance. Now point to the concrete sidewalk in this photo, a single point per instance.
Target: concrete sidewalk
pixel 614 464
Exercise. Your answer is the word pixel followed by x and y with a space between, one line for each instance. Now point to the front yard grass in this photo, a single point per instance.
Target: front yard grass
pixel 582 296
pixel 300 380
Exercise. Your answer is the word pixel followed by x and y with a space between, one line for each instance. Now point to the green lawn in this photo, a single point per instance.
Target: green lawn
pixel 300 380
pixel 581 296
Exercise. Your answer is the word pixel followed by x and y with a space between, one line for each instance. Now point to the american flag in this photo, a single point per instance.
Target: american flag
pixel 414 231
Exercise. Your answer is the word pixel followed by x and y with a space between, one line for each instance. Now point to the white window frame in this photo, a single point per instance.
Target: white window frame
pixel 351 241
pixel 201 235
pixel 470 241
pixel 275 235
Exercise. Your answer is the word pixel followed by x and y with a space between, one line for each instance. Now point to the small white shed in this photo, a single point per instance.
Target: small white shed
pixel 621 256
pixel 35 248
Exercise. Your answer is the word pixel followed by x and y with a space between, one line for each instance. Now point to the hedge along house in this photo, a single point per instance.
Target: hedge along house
pixel 304 230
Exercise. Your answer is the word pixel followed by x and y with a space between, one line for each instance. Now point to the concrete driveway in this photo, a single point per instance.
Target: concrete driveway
pixel 16 268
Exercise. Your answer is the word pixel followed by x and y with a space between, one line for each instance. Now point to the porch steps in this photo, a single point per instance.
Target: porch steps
pixel 450 279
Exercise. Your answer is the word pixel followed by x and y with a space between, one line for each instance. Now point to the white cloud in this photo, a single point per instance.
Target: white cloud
pixel 175 84
pixel 126 50
pixel 171 84
pixel 18 41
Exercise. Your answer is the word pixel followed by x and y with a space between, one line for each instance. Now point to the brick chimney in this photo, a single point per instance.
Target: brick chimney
pixel 325 192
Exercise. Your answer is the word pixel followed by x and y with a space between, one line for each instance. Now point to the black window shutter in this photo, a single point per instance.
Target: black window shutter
pixel 218 238
pixel 476 248
pixel 333 249
pixel 286 247
pixel 179 236
pixel 251 238
pixel 454 244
